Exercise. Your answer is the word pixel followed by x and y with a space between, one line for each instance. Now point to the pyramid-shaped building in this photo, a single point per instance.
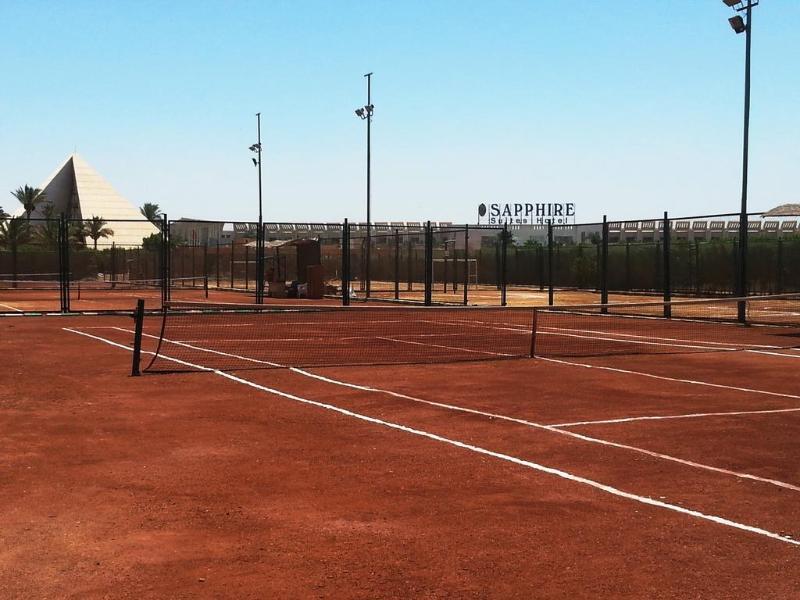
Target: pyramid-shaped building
pixel 78 191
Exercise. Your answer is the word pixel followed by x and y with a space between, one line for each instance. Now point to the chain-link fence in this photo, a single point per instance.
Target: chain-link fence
pixel 54 263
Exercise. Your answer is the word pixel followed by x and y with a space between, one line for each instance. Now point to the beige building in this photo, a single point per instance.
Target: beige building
pixel 76 190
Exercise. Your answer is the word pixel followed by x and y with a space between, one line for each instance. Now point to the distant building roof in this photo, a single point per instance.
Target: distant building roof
pixel 784 210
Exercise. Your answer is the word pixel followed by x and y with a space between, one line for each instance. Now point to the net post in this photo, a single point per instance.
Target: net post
pixel 666 270
pixel 604 266
pixel 503 264
pixel 428 264
pixel 396 264
pixel 533 331
pixel 138 317
pixel 345 264
pixel 550 294
pixel 466 264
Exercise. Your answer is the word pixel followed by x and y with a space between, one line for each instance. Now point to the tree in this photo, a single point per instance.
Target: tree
pixel 3 214
pixel 95 228
pixel 47 233
pixel 13 233
pixel 151 212
pixel 29 197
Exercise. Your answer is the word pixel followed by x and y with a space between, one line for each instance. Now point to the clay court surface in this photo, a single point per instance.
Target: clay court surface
pixel 635 476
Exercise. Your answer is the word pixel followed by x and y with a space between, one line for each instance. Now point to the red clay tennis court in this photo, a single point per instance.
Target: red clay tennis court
pixel 306 451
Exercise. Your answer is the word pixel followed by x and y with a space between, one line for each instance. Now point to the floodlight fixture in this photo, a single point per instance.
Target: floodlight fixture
pixel 737 24
pixel 360 112
pixel 732 3
pixel 256 147
pixel 255 162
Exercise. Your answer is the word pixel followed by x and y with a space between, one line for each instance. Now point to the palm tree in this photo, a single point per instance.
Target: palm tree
pixel 29 197
pixel 96 229
pixel 13 233
pixel 3 214
pixel 47 233
pixel 151 212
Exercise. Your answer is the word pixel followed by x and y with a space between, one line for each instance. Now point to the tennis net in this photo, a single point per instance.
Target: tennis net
pixel 245 336
pixel 772 323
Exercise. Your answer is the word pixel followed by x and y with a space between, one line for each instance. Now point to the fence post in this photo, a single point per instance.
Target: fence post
pixel 428 264
pixel 627 266
pixel 503 264
pixel 62 272
pixel 697 267
pixel 666 272
pixel 396 264
pixel 164 259
pixel 550 294
pixel 466 264
pixel 217 263
pixel 113 262
pixel 246 267
pixel 742 291
pixel 604 265
pixel 233 248
pixel 205 266
pixel 345 264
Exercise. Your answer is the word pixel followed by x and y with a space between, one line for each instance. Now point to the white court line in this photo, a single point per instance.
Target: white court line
pixel 642 342
pixel 653 337
pixel 685 416
pixel 479 450
pixel 555 429
pixel 328 339
pixel 552 428
pixel 446 347
pixel 665 378
pixel 11 307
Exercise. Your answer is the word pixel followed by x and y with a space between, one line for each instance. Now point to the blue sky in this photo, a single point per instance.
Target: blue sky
pixel 626 108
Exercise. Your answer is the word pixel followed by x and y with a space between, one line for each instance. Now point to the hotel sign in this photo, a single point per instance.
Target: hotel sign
pixel 527 213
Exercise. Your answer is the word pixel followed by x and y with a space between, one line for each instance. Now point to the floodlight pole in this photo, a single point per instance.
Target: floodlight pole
pixel 369 179
pixel 745 156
